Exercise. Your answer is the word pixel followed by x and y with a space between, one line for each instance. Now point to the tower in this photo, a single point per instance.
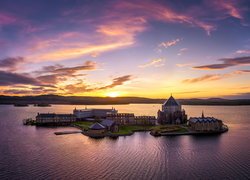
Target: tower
pixel 171 112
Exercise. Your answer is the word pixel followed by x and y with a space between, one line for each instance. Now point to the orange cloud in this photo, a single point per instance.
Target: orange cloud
pixel 82 87
pixel 154 10
pixel 111 35
pixel 155 63
pixel 230 7
pixel 214 77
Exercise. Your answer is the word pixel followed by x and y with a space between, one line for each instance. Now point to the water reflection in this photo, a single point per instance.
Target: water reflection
pixel 36 153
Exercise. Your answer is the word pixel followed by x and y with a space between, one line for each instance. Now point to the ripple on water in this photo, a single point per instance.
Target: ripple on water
pixel 36 153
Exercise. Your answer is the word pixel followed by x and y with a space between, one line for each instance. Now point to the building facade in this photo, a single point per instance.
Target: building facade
pixel 204 123
pixel 171 113
pixel 131 119
pixel 82 114
pixel 145 120
pixel 52 118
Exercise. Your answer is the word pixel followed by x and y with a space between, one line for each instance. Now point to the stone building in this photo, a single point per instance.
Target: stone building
pixel 131 119
pixel 205 123
pixel 53 118
pixel 83 114
pixel 171 113
pixel 122 118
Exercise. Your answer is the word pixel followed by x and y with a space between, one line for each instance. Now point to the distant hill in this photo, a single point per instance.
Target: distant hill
pixel 88 100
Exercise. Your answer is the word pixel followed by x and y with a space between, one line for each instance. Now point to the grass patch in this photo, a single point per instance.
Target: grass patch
pixel 128 129
pixel 169 128
pixel 83 124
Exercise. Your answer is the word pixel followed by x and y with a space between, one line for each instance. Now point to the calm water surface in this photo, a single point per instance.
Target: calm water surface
pixel 28 152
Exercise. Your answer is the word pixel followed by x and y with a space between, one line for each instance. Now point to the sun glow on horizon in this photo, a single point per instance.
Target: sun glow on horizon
pixel 113 94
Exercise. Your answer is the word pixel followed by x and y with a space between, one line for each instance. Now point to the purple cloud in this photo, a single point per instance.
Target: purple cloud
pixel 8 78
pixel 226 62
pixel 11 62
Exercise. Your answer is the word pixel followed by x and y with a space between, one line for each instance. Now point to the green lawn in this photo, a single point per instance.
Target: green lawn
pixel 170 128
pixel 83 124
pixel 128 129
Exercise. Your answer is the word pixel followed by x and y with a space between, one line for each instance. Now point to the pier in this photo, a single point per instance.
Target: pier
pixel 67 132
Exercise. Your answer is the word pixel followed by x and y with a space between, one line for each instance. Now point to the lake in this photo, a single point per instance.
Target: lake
pixel 29 152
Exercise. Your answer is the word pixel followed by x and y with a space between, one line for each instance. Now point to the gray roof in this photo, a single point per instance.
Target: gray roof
pixel 205 119
pixel 171 102
pixel 46 115
pixel 96 126
pixel 52 115
pixel 107 122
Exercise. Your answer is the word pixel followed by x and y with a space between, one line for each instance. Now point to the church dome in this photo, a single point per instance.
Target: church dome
pixel 171 102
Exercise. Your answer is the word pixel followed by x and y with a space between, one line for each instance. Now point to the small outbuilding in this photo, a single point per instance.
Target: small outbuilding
pixel 110 125
pixel 97 128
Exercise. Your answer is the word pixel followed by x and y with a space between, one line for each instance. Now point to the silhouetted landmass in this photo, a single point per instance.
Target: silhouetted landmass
pixel 87 100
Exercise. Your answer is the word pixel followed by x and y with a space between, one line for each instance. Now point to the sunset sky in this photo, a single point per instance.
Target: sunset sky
pixel 197 49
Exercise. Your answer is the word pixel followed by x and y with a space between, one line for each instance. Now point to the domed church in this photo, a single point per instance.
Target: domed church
pixel 171 113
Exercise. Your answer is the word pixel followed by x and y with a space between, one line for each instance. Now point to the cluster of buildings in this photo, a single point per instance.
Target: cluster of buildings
pixel 172 113
pixel 103 115
pixel 110 119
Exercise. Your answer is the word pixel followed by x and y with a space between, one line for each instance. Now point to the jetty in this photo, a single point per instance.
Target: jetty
pixel 67 132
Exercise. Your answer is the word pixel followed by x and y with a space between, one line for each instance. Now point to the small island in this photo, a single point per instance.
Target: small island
pixel 171 121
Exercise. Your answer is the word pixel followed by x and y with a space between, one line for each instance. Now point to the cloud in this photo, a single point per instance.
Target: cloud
pixel 188 92
pixel 106 31
pixel 88 66
pixel 77 88
pixel 11 63
pixel 243 51
pixel 243 95
pixel 8 78
pixel 32 91
pixel 211 77
pixel 51 79
pixel 162 12
pixel 82 87
pixel 153 63
pixel 229 7
pixel 59 73
pixel 167 44
pixel 117 82
pixel 6 19
pixel 226 62
pixel 109 33
pixel 181 51
pixel 215 77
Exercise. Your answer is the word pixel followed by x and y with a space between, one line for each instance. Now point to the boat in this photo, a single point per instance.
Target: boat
pixel 42 105
pixel 21 105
